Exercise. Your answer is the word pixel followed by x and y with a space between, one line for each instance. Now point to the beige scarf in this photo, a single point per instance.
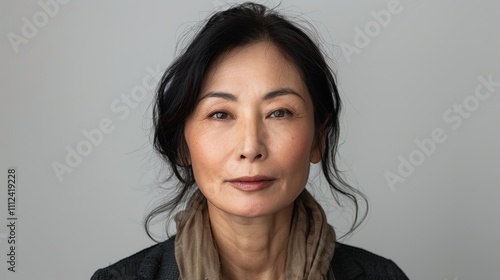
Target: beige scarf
pixel 310 247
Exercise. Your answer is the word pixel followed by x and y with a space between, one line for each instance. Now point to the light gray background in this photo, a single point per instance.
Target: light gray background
pixel 440 223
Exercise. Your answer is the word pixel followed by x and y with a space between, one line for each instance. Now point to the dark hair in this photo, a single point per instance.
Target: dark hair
pixel 178 92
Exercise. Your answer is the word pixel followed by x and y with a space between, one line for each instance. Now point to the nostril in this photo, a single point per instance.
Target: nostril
pixel 257 156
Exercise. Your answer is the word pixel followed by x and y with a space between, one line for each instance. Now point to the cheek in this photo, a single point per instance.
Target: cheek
pixel 207 154
pixel 294 149
pixel 300 137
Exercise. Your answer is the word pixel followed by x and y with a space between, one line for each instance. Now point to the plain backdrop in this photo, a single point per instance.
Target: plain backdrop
pixel 69 68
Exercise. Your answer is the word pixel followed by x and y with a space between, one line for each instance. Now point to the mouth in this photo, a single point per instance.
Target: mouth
pixel 252 183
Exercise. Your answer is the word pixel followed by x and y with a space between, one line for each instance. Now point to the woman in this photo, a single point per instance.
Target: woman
pixel 239 117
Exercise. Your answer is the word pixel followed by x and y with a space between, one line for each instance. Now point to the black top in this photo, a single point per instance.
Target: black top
pixel 158 262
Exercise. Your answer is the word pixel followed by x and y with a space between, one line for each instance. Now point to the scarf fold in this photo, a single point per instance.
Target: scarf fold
pixel 310 247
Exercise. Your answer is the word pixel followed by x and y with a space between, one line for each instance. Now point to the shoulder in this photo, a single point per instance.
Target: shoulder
pixel 155 262
pixel 355 263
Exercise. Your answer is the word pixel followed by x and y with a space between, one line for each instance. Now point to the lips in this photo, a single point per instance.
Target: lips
pixel 252 183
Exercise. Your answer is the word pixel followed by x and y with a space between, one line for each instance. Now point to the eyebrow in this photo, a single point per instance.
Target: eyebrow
pixel 268 96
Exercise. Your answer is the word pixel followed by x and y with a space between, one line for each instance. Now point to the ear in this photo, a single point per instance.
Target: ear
pixel 317 149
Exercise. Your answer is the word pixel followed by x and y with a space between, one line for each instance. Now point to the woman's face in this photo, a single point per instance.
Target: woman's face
pixel 251 136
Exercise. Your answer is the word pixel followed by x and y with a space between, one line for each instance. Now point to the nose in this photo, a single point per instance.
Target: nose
pixel 253 137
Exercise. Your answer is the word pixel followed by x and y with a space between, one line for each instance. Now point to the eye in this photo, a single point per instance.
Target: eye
pixel 219 115
pixel 281 113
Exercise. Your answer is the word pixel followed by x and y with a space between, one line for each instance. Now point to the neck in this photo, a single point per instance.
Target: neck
pixel 251 248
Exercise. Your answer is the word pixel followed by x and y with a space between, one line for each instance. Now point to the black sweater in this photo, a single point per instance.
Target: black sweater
pixel 158 262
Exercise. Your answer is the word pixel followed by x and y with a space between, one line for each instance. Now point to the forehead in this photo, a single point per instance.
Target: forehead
pixel 258 65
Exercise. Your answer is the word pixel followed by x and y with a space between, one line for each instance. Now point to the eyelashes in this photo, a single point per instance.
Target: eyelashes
pixel 219 115
pixel 281 113
pixel 275 114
